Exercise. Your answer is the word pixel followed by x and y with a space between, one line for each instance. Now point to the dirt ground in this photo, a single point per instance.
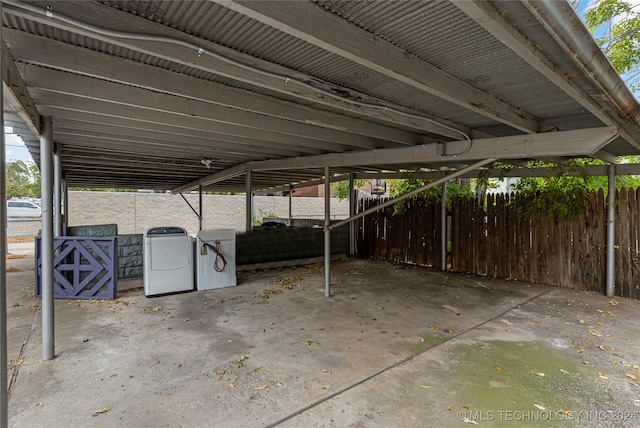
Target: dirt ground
pixel 395 345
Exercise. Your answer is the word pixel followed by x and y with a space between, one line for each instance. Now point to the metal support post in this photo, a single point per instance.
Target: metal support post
pixel 290 204
pixel 200 207
pixel 65 198
pixel 443 226
pixel 611 232
pixel 434 183
pixel 352 211
pixel 46 173
pixel 249 201
pixel 327 233
pixel 4 380
pixel 57 191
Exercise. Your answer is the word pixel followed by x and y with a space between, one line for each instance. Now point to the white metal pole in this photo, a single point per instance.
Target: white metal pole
pixel 434 183
pixel 327 233
pixel 352 211
pixel 290 204
pixel 4 385
pixel 200 207
pixel 57 190
pixel 611 231
pixel 46 173
pixel 65 197
pixel 248 201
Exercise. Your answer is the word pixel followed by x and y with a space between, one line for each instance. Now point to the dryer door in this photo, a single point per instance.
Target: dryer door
pixel 169 252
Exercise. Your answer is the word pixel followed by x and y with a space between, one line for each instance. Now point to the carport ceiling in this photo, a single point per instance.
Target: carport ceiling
pixel 177 94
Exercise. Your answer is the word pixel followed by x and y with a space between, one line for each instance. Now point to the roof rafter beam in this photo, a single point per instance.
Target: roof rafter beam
pixel 125 126
pixel 582 142
pixel 82 87
pixel 37 50
pixel 163 141
pixel 170 45
pixel 213 178
pixel 263 138
pixel 492 21
pixel 564 171
pixel 314 25
pixel 605 156
pixel 16 93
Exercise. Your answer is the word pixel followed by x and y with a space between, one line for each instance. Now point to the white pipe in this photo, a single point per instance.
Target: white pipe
pixel 46 254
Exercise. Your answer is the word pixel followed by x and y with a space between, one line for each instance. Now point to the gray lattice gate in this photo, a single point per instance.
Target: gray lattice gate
pixel 84 268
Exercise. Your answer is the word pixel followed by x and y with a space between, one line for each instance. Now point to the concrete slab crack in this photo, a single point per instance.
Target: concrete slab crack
pixel 16 370
pixel 403 361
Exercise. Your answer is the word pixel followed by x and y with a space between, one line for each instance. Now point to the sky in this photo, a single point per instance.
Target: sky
pixel 14 147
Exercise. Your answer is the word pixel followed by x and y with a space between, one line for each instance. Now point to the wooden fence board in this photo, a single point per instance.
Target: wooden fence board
pixel 496 241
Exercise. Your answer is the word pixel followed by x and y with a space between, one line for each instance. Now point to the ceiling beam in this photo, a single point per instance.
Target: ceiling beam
pixel 319 27
pixel 82 87
pixel 582 142
pixel 52 102
pixel 564 171
pixel 83 121
pixel 187 50
pixel 16 94
pixel 605 156
pixel 161 140
pixel 37 50
pixel 213 178
pixel 492 21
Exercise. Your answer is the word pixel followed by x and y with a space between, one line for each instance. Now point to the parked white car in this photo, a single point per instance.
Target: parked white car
pixel 23 209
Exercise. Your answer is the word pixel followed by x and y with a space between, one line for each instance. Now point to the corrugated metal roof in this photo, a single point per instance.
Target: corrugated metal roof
pixel 349 93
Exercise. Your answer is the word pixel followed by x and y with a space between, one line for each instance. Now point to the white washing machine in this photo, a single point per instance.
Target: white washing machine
pixel 168 261
pixel 216 259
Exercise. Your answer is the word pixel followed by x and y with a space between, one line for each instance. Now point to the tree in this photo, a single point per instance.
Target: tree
pixel 562 196
pixel 342 187
pixel 616 27
pixel 455 189
pixel 23 179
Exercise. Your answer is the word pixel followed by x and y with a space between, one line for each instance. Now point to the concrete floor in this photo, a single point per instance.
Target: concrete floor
pixel 394 346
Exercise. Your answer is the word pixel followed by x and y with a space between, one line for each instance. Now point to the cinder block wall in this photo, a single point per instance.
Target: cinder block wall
pixel 137 212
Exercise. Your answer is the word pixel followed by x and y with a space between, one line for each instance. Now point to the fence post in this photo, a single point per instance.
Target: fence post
pixel 611 231
pixel 327 233
pixel 443 226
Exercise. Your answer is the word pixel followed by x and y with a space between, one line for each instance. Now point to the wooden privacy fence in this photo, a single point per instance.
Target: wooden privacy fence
pixel 413 237
pixel 497 242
